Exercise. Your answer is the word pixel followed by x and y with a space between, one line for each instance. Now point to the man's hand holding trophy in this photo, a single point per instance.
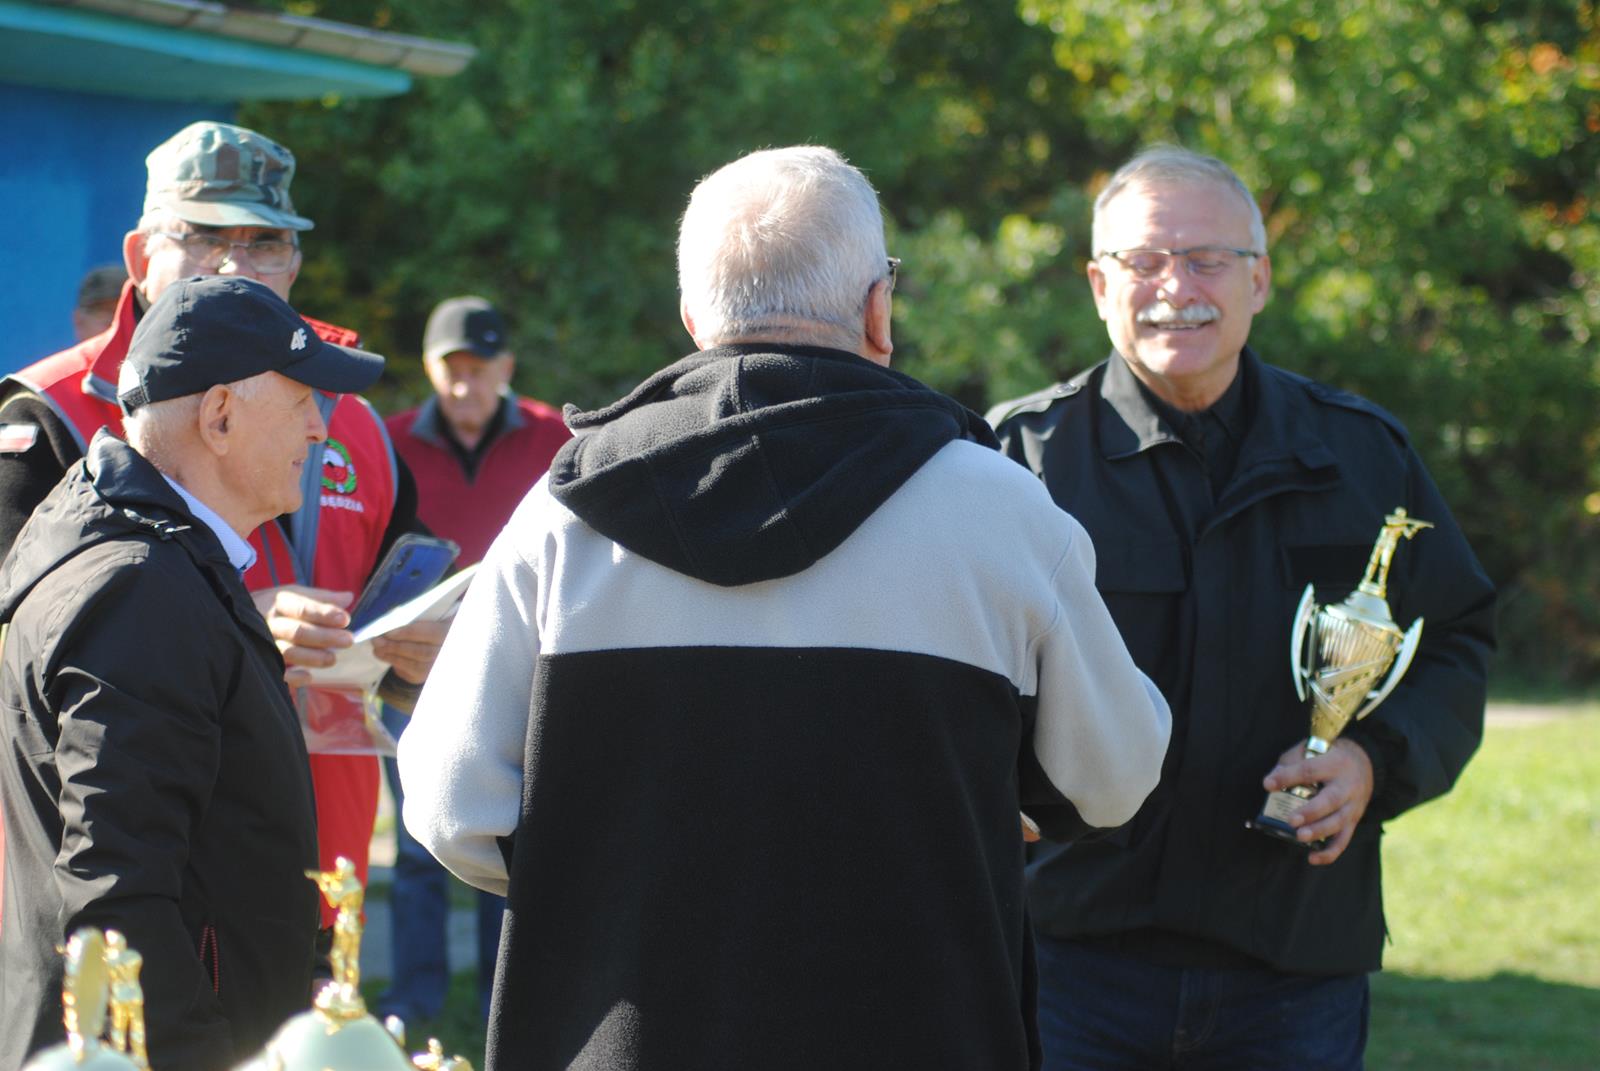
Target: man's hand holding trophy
pixel 1346 658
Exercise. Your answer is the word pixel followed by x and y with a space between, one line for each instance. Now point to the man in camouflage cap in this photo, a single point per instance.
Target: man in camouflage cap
pixel 223 176
pixel 217 203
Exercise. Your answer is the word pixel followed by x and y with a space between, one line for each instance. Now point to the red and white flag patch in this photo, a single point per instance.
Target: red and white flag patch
pixel 17 438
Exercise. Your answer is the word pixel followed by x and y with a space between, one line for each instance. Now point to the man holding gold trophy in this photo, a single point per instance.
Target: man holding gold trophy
pixel 1278 560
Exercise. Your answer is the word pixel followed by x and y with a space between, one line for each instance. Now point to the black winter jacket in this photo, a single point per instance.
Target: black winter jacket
pixel 1204 591
pixel 154 777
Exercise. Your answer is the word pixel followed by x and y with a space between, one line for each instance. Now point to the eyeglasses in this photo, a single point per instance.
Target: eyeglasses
pixel 210 251
pixel 1202 260
pixel 894 272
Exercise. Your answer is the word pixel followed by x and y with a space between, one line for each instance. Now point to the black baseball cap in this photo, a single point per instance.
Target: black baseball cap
pixel 210 330
pixel 464 324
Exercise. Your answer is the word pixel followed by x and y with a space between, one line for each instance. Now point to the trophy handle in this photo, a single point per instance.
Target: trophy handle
pixel 1402 662
pixel 1303 615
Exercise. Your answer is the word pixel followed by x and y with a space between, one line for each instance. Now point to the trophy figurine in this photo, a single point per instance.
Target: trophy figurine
pixel 1346 658
pixel 436 1060
pixel 85 997
pixel 337 1034
pixel 127 999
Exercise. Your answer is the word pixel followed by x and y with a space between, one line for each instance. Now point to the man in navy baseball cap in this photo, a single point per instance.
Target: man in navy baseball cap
pixel 211 330
pixel 180 786
pixel 219 391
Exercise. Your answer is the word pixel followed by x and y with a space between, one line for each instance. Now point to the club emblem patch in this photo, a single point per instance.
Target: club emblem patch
pixel 338 473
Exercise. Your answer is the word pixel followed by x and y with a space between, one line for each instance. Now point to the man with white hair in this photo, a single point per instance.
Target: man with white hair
pixel 217 202
pixel 743 704
pixel 1216 488
pixel 154 779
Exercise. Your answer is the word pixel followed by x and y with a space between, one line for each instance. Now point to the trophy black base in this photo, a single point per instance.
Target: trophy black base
pixel 1274 818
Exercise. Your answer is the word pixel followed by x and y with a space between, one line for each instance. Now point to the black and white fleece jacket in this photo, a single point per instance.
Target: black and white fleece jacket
pixel 740 712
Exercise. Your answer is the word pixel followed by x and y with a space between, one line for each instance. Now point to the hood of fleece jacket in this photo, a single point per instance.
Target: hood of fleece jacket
pixel 751 462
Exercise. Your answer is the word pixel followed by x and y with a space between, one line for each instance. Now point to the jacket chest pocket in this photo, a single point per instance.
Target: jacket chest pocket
pixel 1142 584
pixel 1333 568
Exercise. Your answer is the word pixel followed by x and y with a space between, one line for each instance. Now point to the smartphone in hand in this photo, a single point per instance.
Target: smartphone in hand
pixel 413 565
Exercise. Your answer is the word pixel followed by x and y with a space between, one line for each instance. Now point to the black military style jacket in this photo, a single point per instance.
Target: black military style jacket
pixel 1203 587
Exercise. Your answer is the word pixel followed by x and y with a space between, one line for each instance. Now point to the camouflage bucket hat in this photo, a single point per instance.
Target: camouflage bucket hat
pixel 221 175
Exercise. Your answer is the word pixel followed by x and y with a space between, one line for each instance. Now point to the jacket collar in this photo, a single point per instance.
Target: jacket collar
pixel 429 423
pixel 1279 426
pixel 1138 426
pixel 112 347
pixel 241 555
pixel 131 486
pixel 133 492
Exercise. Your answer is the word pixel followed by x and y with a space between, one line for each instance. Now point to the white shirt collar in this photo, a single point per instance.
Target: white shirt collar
pixel 241 555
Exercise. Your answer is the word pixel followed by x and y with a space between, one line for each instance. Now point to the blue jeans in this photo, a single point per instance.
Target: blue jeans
pixel 419 913
pixel 1100 1010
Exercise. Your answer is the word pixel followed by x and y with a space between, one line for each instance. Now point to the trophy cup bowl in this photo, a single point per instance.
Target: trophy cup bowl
pixel 1345 658
pixel 314 1041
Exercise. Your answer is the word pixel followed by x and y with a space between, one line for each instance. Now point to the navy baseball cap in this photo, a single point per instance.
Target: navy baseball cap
pixel 216 329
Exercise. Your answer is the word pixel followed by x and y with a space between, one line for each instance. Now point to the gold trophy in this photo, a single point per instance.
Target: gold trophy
pixel 86 996
pixel 127 999
pixel 337 1034
pixel 1347 658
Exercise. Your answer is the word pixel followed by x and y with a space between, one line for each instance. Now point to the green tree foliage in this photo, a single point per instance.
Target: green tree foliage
pixel 1427 170
pixel 550 175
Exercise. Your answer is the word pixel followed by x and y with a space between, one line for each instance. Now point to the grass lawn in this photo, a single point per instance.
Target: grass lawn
pixel 1493 897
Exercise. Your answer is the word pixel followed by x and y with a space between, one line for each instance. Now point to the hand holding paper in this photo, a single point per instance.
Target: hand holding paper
pixel 412 649
pixel 359 666
pixel 309 625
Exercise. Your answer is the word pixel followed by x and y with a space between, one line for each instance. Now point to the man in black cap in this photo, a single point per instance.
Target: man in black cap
pixel 155 778
pixel 475 449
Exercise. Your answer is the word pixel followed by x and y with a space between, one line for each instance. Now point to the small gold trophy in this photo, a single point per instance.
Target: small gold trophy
pixel 337 1034
pixel 1339 654
pixel 127 999
pixel 86 996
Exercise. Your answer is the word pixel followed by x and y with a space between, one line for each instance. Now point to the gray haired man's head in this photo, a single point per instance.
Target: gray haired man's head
pixel 780 243
pixel 1172 165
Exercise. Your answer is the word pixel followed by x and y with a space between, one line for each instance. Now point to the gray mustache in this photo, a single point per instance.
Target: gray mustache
pixel 1162 313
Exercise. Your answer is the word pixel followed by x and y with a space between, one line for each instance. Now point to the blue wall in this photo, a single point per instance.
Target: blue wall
pixel 71 185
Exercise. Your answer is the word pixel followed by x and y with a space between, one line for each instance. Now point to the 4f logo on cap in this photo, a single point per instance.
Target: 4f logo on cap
pixel 298 341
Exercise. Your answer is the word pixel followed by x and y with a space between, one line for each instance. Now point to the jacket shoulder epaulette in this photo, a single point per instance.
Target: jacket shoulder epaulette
pixel 1037 402
pixel 1343 399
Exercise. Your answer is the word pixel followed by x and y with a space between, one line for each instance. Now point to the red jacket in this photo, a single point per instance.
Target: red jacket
pixel 336 548
pixel 471 508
